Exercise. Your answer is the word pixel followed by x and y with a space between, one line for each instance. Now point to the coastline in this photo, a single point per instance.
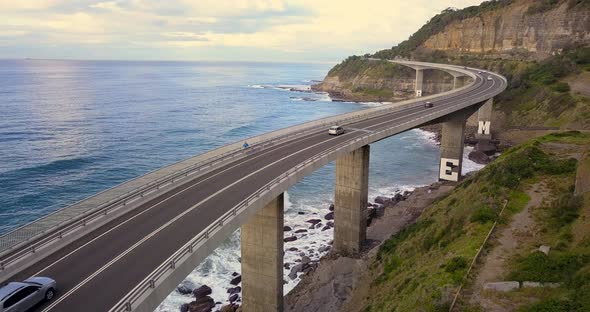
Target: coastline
pixel 328 286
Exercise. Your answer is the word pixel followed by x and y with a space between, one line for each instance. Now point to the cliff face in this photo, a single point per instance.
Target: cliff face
pixel 515 28
pixel 367 88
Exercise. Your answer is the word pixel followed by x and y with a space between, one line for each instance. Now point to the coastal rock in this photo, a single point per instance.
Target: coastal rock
pixel 234 290
pixel 300 213
pixel 382 200
pixel 329 216
pixel 186 287
pixel 331 208
pixel 229 308
pixel 324 249
pixel 202 291
pixel 293 249
pixel 479 157
pixel 485 146
pixel 236 280
pixel 305 260
pixel 294 270
pixel 184 307
pixel 286 228
pixel 289 239
pixel 301 231
pixel 203 304
pixel 314 221
pixel 233 298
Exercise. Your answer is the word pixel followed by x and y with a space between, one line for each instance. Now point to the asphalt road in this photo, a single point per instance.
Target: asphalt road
pixel 94 273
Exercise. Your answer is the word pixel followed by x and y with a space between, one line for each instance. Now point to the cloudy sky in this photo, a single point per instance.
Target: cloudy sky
pixel 236 30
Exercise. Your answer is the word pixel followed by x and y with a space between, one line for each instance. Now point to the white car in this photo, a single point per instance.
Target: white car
pixel 490 78
pixel 336 130
pixel 21 296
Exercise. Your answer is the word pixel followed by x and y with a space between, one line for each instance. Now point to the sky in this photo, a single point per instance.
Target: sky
pixel 210 30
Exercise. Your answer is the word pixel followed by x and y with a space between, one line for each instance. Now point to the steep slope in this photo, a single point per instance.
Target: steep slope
pixel 421 268
pixel 541 46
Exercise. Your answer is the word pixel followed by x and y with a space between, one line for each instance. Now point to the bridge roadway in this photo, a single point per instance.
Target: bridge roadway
pixel 95 272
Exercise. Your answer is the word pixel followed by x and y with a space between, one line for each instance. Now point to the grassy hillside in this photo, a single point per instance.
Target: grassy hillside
pixel 537 94
pixel 420 268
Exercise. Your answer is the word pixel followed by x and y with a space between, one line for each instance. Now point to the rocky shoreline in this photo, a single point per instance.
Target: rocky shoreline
pixel 328 285
pixel 311 259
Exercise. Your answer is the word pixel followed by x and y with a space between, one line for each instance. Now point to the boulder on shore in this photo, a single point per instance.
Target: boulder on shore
pixel 382 200
pixel 329 216
pixel 479 157
pixel 186 287
pixel 486 147
pixel 202 291
pixel 314 221
pixel 236 280
pixel 289 239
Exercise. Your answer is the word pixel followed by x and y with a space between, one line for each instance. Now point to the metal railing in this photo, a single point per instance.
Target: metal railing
pixel 27 239
pixel 150 282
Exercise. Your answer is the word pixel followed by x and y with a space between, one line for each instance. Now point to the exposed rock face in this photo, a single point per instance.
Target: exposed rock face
pixel 513 28
pixel 402 88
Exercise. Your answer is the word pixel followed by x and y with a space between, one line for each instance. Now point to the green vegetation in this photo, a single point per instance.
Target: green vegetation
pixel 420 267
pixel 437 24
pixel 541 6
pixel 355 66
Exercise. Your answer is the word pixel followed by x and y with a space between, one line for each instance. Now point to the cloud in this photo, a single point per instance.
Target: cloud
pixel 294 29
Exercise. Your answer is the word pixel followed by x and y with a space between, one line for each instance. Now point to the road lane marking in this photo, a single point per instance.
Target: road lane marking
pixel 215 194
pixel 159 229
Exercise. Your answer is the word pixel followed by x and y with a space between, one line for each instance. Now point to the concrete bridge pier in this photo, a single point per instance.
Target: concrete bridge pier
pixel 419 81
pixel 484 120
pixel 262 259
pixel 350 201
pixel 451 146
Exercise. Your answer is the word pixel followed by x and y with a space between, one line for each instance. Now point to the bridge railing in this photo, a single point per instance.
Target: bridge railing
pixel 128 302
pixel 30 238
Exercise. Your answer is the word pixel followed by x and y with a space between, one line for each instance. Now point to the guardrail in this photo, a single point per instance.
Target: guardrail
pixel 27 239
pixel 150 282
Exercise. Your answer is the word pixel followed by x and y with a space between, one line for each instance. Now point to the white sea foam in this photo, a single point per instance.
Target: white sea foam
pixel 216 271
pixel 256 86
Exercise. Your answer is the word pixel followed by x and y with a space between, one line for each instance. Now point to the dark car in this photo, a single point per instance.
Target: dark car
pixel 21 296
pixel 428 104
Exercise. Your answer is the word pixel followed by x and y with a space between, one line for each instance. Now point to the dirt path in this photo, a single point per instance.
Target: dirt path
pixel 508 240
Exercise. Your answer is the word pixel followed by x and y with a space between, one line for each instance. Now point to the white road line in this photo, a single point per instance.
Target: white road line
pixel 198 204
pixel 60 299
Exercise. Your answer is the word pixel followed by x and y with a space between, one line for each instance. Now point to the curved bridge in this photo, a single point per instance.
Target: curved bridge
pixel 128 247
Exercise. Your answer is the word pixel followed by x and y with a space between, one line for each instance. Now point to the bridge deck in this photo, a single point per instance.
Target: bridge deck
pixel 95 272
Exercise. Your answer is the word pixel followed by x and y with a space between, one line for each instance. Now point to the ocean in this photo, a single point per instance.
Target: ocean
pixel 69 129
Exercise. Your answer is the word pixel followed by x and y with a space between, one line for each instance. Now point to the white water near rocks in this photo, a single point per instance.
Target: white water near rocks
pixel 216 271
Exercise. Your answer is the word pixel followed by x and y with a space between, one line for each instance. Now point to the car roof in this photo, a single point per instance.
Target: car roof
pixel 10 288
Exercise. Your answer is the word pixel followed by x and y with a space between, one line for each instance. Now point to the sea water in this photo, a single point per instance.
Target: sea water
pixel 69 129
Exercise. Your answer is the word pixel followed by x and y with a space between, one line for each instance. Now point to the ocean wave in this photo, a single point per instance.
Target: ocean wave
pixel 56 166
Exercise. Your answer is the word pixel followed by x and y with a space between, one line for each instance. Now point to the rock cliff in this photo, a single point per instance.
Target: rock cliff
pixel 530 26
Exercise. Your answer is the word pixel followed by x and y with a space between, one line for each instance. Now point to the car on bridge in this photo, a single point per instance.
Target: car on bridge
pixel 336 130
pixel 490 78
pixel 428 104
pixel 22 296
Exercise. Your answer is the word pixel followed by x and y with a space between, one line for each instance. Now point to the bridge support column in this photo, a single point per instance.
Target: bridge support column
pixel 419 81
pixel 350 201
pixel 451 146
pixel 484 120
pixel 262 259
